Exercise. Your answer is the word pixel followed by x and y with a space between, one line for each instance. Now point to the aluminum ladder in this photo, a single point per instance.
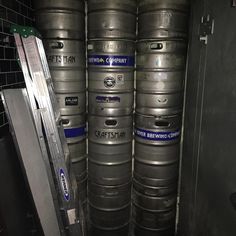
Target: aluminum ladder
pixel 47 120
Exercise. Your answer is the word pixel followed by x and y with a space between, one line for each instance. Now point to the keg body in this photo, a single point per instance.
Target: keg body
pixel 111 80
pixel 111 19
pixel 66 59
pixel 73 5
pixel 111 74
pixel 162 19
pixel 60 23
pixel 162 55
pixel 75 133
pixel 110 150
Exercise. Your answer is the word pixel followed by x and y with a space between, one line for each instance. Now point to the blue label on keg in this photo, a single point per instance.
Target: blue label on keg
pixel 106 60
pixel 157 136
pixel 106 99
pixel 75 132
pixel 64 184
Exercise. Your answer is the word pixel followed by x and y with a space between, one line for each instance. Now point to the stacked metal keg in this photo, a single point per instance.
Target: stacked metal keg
pixel 62 25
pixel 160 62
pixel 111 53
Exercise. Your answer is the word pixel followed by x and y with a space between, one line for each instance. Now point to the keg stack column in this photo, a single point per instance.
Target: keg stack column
pixel 62 25
pixel 160 63
pixel 111 54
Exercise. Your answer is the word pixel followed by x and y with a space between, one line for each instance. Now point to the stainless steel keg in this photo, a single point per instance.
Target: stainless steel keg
pixel 112 19
pixel 110 220
pixel 72 5
pixel 159 104
pixel 111 54
pixel 68 80
pixel 152 224
pixel 149 190
pixel 109 198
pixel 110 80
pixel 60 23
pixel 162 19
pixel 65 54
pixel 107 104
pixel 159 82
pixel 162 130
pixel 153 203
pixel 103 232
pixel 161 55
pixel 72 103
pixel 75 133
pixel 110 150
pixel 156 166
pixel 110 164
pixel 110 130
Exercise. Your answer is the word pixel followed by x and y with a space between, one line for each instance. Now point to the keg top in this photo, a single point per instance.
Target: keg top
pixel 122 5
pixel 161 46
pixel 152 5
pixel 75 5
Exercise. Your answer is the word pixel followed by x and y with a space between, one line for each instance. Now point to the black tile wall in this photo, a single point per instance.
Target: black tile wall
pixel 11 12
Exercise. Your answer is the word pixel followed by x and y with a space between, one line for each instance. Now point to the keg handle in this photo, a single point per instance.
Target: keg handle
pixel 111 122
pixel 156 46
pixel 57 45
pixel 162 100
pixel 162 123
pixel 65 121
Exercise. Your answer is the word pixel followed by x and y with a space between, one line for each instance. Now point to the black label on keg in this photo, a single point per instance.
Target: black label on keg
pixel 106 99
pixel 109 82
pixel 60 59
pixel 71 101
pixel 109 135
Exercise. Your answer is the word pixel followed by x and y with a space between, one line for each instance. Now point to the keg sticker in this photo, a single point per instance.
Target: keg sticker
pixel 106 99
pixel 109 82
pixel 71 101
pixel 64 185
pixel 75 132
pixel 157 136
pixel 106 60
pixel 120 79
pixel 60 59
pixel 109 135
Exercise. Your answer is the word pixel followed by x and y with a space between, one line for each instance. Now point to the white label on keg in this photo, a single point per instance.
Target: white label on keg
pixel 90 46
pixel 120 79
pixel 109 135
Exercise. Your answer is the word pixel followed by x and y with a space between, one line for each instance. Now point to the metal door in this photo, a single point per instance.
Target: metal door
pixel 208 186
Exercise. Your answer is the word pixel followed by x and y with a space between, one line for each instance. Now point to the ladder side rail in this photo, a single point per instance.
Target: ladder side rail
pixel 55 145
pixel 37 117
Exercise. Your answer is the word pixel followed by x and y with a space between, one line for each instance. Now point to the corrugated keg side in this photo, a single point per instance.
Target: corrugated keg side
pixel 160 62
pixel 62 25
pixel 111 65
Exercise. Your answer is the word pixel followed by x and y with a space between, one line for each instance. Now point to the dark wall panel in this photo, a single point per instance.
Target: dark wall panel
pixel 207 205
pixel 11 12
